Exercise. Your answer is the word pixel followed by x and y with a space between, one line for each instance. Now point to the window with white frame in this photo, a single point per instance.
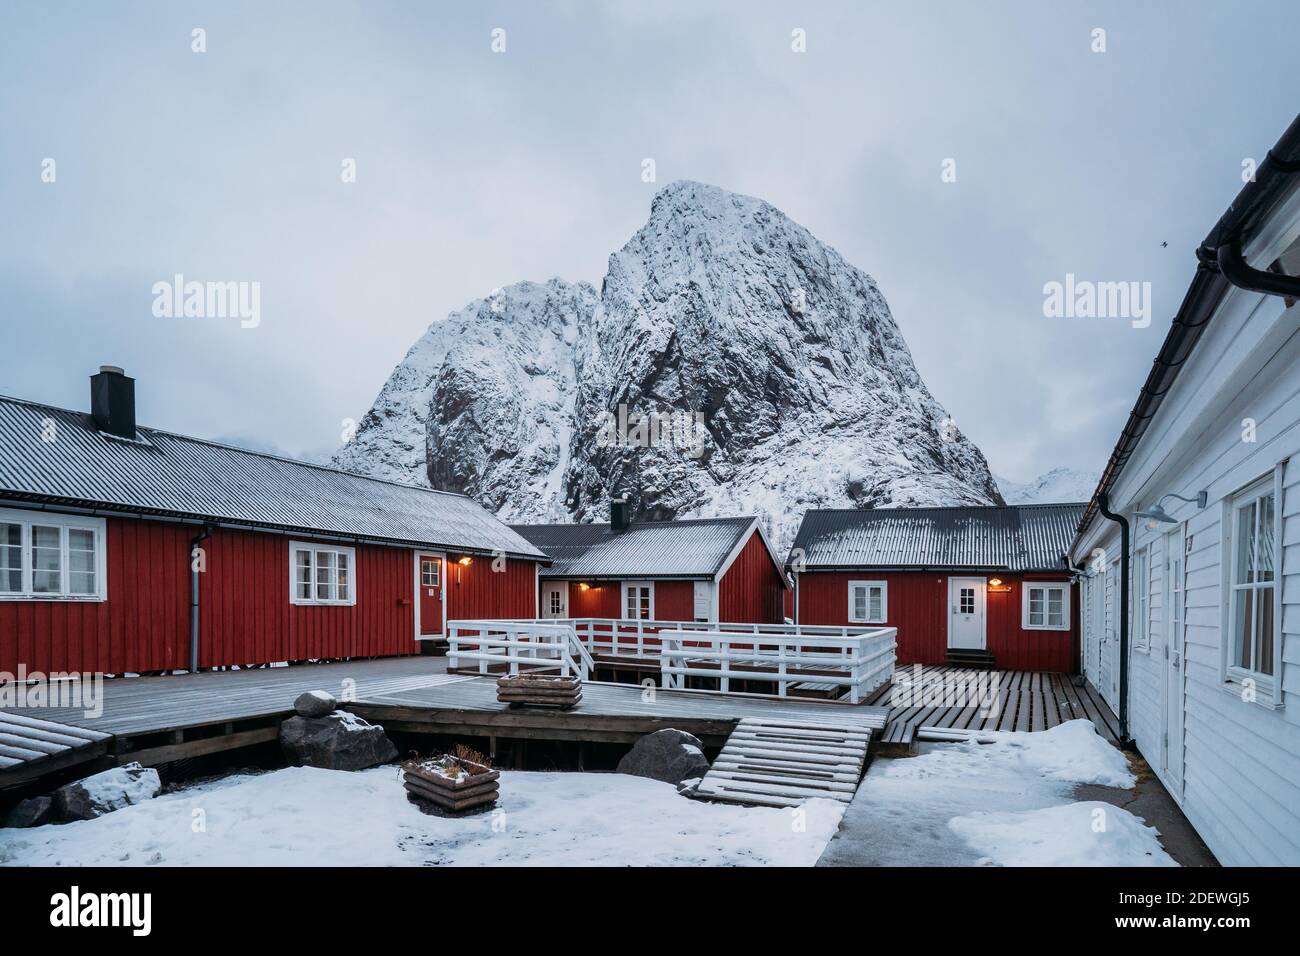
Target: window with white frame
pixel 1253 612
pixel 868 602
pixel 1045 607
pixel 1142 598
pixel 51 557
pixel 557 603
pixel 638 600
pixel 321 574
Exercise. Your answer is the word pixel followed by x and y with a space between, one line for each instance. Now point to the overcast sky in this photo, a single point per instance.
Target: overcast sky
pixel 477 169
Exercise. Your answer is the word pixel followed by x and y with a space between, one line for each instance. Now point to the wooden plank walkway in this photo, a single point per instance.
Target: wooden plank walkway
pixel 609 712
pixel 962 701
pixel 781 762
pixel 31 747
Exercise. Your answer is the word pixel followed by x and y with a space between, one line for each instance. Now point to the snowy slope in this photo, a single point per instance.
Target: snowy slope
pixel 1057 485
pixel 720 310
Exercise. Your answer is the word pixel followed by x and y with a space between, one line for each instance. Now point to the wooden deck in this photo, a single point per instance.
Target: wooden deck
pixel 613 713
pixel 156 720
pixel 1012 700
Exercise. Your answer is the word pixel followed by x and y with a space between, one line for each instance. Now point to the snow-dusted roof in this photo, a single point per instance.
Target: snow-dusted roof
pixel 1012 538
pixel 688 548
pixel 173 476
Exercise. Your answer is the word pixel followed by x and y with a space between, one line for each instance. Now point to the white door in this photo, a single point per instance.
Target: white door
pixel 1172 717
pixel 703 605
pixel 966 618
pixel 555 599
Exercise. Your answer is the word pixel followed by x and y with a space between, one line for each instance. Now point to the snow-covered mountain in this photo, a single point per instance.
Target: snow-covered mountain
pixel 777 365
pixel 1055 486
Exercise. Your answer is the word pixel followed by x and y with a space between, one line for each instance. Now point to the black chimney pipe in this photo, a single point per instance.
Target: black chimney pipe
pixel 618 515
pixel 112 402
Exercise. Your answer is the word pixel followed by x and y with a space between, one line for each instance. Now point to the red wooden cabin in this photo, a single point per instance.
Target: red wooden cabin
pixel 125 549
pixel 699 569
pixel 985 586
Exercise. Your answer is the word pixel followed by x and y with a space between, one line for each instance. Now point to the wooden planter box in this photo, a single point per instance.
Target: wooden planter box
pixel 534 690
pixel 475 790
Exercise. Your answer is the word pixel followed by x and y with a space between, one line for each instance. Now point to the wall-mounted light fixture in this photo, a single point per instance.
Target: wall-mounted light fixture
pixel 995 582
pixel 1156 515
pixel 584 586
pixel 465 560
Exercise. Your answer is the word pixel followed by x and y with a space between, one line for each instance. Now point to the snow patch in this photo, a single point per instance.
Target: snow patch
pixel 304 816
pixel 1089 833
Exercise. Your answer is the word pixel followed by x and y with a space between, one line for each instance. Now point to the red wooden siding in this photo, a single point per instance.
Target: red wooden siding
pixel 246 615
pixel 475 591
pixel 675 600
pixel 751 591
pixel 601 599
pixel 144 624
pixel 918 607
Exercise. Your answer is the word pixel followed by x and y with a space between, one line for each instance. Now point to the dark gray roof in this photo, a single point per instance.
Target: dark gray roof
pixel 689 548
pixel 1011 538
pixel 173 476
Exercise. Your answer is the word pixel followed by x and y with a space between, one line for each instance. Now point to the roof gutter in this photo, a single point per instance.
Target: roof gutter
pixel 1104 506
pixel 1220 268
pixel 198 564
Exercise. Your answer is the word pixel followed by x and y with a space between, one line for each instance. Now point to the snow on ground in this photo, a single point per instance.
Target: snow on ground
pixel 1006 802
pixel 1089 833
pixel 303 816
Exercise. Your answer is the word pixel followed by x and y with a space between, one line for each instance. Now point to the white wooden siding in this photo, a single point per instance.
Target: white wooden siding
pixel 1241 760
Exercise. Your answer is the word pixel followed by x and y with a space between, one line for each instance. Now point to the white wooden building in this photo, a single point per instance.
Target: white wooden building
pixel 1211 651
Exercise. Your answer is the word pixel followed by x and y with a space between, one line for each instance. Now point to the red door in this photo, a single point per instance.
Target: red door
pixel 430 596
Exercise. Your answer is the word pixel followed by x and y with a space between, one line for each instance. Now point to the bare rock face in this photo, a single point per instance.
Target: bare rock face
pixel 672 756
pixel 104 792
pixel 338 741
pixel 720 310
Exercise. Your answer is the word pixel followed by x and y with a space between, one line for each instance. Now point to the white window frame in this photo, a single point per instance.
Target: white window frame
pixel 65 523
pixel 1061 586
pixel 866 618
pixel 1265 685
pixel 1142 598
pixel 627 586
pixel 315 548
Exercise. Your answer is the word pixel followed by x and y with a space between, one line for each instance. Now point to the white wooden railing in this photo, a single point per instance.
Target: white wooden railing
pixel 861 662
pixel 628 637
pixel 533 645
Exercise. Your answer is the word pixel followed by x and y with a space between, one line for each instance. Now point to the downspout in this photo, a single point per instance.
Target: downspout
pixel 1236 270
pixel 1103 505
pixel 194 598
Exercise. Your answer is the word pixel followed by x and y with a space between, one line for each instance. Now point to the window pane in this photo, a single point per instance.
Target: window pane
pixel 302 574
pixel 46 560
pixel 1243 625
pixel 324 575
pixel 344 575
pixel 859 603
pixel 11 558
pixel 877 598
pixel 1245 544
pixel 1264 550
pixel 1264 630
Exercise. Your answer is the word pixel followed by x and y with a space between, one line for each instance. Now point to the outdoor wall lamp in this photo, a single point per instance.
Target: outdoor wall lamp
pixel 466 560
pixel 1156 514
pixel 995 582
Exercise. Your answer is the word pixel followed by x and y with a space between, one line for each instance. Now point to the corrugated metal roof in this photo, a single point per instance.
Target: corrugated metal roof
pixel 174 476
pixel 1012 538
pixel 690 548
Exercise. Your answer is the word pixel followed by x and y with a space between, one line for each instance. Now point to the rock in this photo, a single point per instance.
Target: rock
pixel 672 756
pixel 32 812
pixel 315 703
pixel 337 741
pixel 104 792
